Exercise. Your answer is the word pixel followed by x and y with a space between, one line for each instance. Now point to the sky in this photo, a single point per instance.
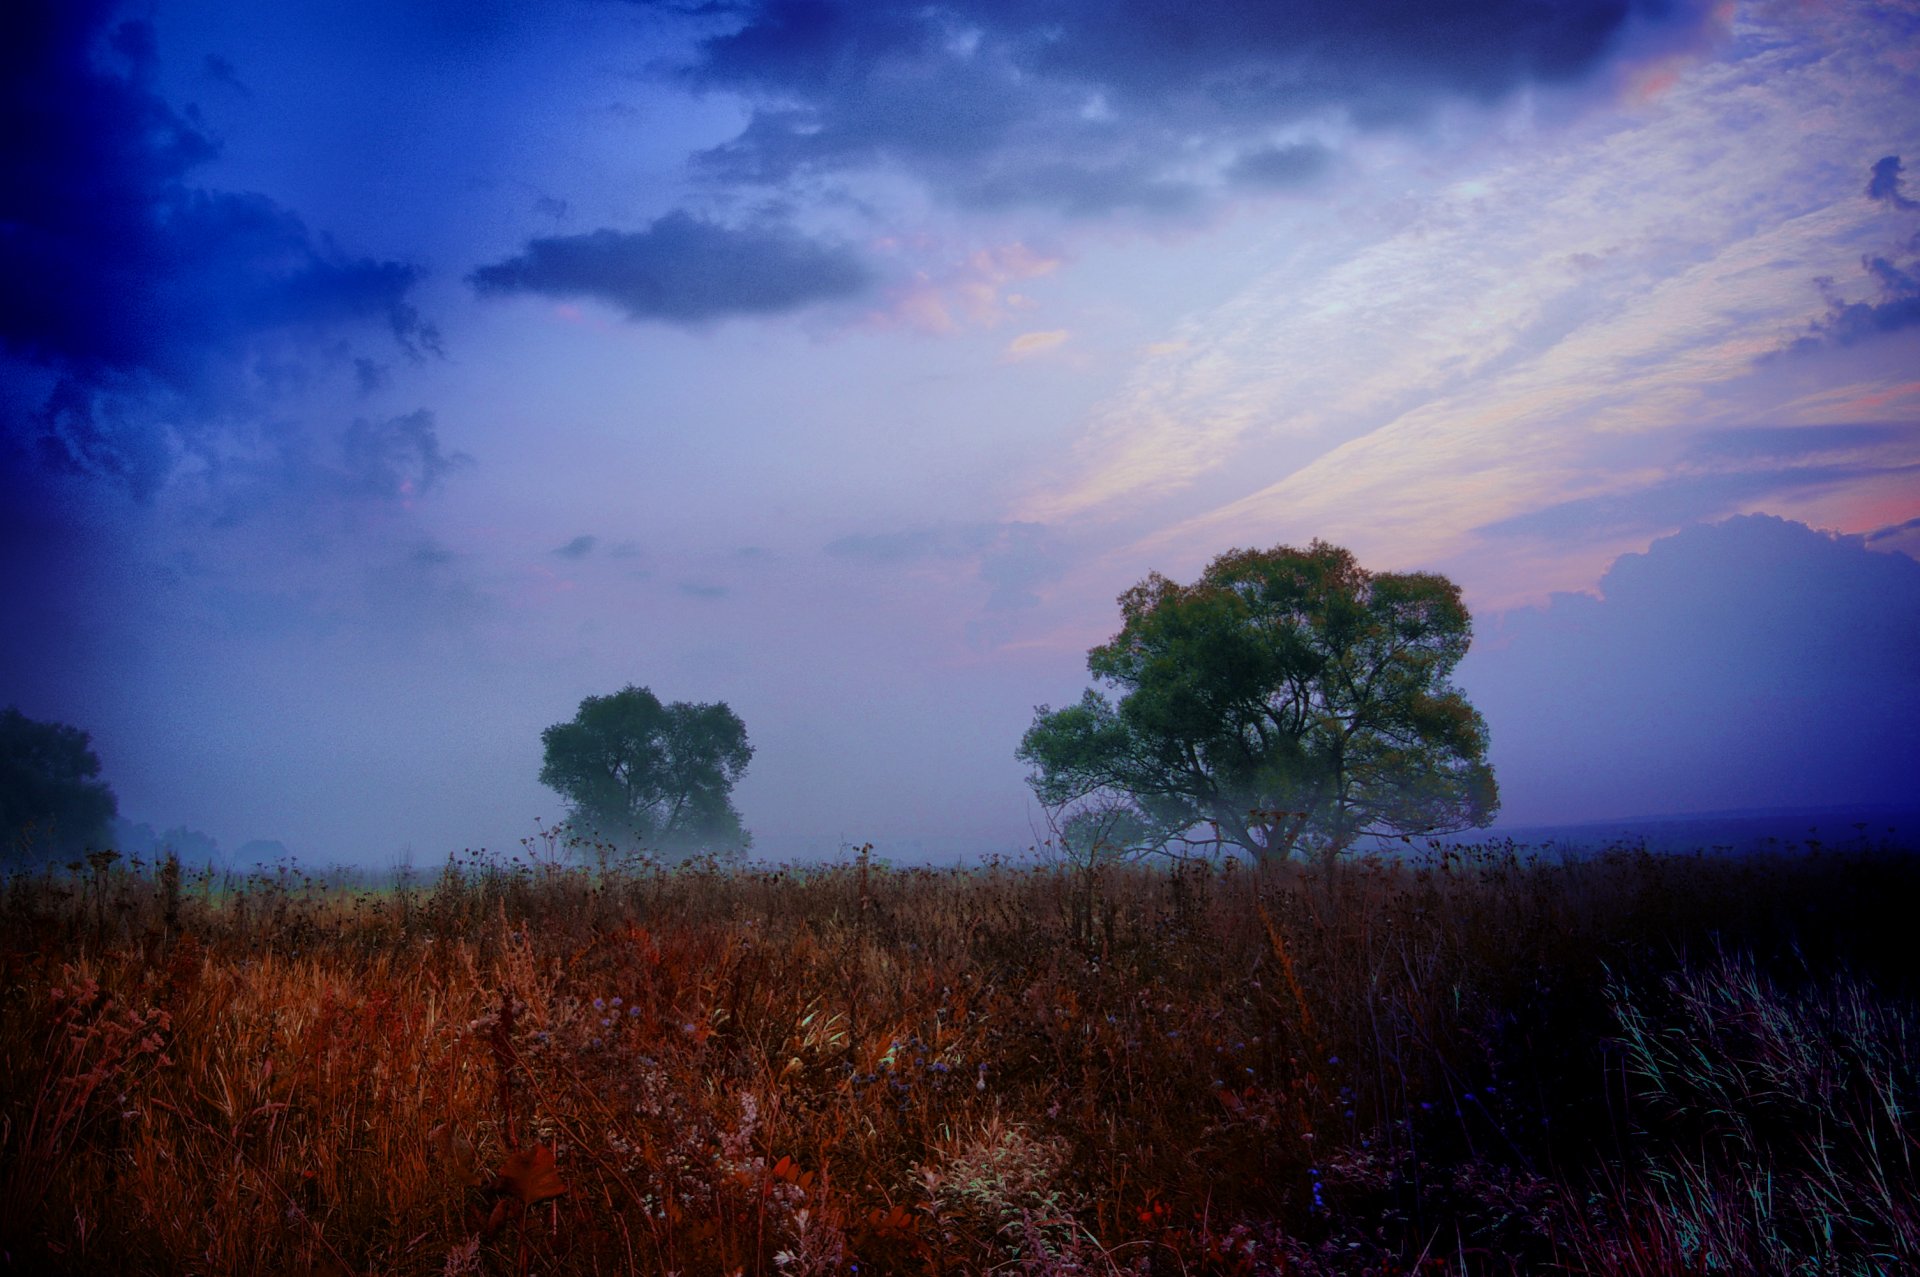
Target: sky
pixel 377 381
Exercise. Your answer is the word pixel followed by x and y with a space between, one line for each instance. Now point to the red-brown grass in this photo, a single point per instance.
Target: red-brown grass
pixel 1469 1062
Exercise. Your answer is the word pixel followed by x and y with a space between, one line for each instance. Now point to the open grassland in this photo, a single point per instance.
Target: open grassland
pixel 1464 1063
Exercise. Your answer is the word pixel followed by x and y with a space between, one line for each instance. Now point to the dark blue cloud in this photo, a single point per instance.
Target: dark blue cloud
pixel 396 459
pixel 1039 94
pixel 1280 166
pixel 1884 184
pixel 682 269
pixel 1893 531
pixel 578 548
pixel 135 295
pixel 159 337
pixel 1894 303
pixel 1751 663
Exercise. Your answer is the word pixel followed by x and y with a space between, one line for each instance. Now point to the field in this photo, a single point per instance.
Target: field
pixel 1480 1061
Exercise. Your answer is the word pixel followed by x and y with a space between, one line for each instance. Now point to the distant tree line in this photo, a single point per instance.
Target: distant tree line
pixel 1287 702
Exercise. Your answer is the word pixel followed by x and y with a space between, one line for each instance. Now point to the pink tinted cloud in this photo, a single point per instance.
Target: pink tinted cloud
pixel 977 290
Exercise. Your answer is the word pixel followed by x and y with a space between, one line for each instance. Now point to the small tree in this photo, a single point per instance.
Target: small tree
pixel 1084 841
pixel 51 805
pixel 1287 699
pixel 637 772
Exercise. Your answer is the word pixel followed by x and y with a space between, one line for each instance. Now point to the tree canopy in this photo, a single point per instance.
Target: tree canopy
pixel 637 772
pixel 50 802
pixel 1287 700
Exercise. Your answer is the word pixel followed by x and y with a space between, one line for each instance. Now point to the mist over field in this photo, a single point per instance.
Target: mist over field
pixel 376 387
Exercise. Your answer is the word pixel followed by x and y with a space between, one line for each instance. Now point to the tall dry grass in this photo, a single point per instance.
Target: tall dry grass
pixel 1470 1062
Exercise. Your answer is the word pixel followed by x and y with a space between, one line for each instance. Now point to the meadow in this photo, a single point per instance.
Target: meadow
pixel 1464 1060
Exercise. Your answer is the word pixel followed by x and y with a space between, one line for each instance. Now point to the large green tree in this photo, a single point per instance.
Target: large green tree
pixel 636 772
pixel 1287 700
pixel 51 802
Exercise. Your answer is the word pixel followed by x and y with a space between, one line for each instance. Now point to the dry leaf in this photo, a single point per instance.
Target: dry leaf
pixel 530 1175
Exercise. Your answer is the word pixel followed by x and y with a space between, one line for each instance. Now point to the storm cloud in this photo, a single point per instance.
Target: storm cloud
pixel 134 297
pixel 682 269
pixel 1087 108
pixel 1751 663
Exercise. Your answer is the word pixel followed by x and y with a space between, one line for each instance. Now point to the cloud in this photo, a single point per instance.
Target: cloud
pixel 1897 538
pixel 980 287
pixel 703 590
pixel 1012 559
pixel 578 548
pixel 141 299
pixel 682 269
pixel 1896 306
pixel 1719 471
pixel 220 70
pixel 1027 345
pixel 1079 189
pixel 1549 328
pixel 1751 663
pixel 1892 531
pixel 1280 167
pixel 1770 442
pixel 1090 108
pixel 397 459
pixel 1896 288
pixel 1884 185
pixel 915 544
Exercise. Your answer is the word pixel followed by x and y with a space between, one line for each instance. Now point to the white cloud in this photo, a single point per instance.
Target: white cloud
pixel 1542 327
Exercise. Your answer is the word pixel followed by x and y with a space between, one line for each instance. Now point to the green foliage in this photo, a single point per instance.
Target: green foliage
pixel 1288 698
pixel 638 772
pixel 50 804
